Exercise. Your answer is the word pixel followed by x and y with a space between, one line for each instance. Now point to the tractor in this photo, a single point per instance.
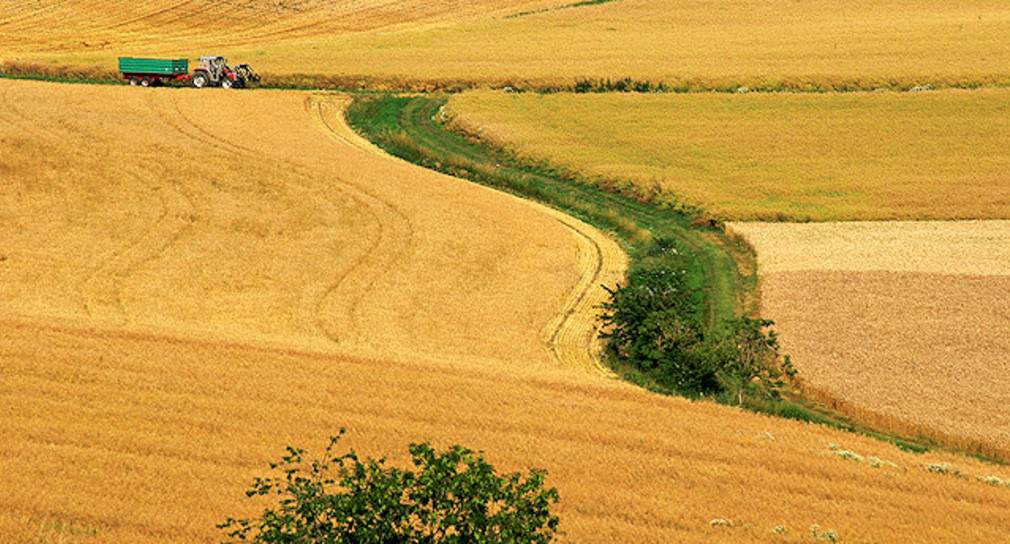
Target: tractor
pixel 214 71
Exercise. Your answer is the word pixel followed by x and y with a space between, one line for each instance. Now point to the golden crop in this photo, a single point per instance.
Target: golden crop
pixel 720 43
pixel 904 321
pixel 929 155
pixel 192 280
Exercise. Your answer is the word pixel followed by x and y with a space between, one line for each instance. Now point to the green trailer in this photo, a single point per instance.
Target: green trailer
pixel 148 72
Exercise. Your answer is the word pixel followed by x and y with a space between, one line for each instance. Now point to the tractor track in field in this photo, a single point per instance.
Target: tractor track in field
pixel 336 307
pixel 102 294
pixel 394 241
pixel 571 337
pixel 101 289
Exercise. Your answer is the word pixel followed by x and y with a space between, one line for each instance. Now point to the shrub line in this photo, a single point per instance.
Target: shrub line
pixel 21 69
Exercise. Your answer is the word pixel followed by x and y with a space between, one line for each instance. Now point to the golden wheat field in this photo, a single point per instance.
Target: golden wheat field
pixel 194 279
pixel 168 214
pixel 709 42
pixel 99 31
pixel 908 320
pixel 854 156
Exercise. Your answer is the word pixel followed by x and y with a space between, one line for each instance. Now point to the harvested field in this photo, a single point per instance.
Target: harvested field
pixel 194 279
pixel 907 321
pixel 938 155
pixel 819 44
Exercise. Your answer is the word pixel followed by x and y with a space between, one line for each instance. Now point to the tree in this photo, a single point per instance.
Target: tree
pixel 454 497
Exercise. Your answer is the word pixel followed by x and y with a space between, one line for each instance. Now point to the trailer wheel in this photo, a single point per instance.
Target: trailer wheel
pixel 134 81
pixel 145 82
pixel 200 79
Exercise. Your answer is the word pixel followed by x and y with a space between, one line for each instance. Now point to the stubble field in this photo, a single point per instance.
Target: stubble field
pixel 193 280
pixel 908 322
pixel 794 157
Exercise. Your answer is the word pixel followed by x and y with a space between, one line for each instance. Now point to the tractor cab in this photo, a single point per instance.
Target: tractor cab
pixel 215 66
pixel 214 71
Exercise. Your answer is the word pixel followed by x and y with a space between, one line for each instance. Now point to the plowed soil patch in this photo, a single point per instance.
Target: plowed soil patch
pixel 907 320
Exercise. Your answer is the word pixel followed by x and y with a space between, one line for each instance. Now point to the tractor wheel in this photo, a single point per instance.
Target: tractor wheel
pixel 201 79
pixel 226 82
pixel 145 82
pixel 134 81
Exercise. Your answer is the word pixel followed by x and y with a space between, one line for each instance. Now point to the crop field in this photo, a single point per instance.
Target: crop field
pixel 192 280
pixel 853 156
pixel 906 320
pixel 175 218
pixel 48 25
pixel 99 31
pixel 704 43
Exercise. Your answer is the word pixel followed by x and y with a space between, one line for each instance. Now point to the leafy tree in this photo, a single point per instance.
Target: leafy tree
pixel 654 324
pixel 453 497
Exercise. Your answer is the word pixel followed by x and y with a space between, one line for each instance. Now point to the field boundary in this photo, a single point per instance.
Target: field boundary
pixel 64 73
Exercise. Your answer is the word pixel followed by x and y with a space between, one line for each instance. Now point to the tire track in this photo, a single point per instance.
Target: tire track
pixel 100 290
pixel 101 295
pixel 395 237
pixel 337 306
pixel 180 122
pixel 572 335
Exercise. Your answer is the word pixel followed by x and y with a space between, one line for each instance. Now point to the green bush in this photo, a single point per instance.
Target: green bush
pixel 654 324
pixel 454 497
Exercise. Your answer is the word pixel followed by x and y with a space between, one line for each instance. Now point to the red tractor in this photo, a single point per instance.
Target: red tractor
pixel 214 71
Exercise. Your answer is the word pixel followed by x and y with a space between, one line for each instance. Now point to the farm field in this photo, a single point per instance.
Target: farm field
pixel 192 280
pixel 159 210
pixel 799 157
pixel 905 320
pixel 708 43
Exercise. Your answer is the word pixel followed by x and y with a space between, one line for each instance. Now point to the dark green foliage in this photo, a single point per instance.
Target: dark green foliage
pixel 454 497
pixel 623 85
pixel 654 325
